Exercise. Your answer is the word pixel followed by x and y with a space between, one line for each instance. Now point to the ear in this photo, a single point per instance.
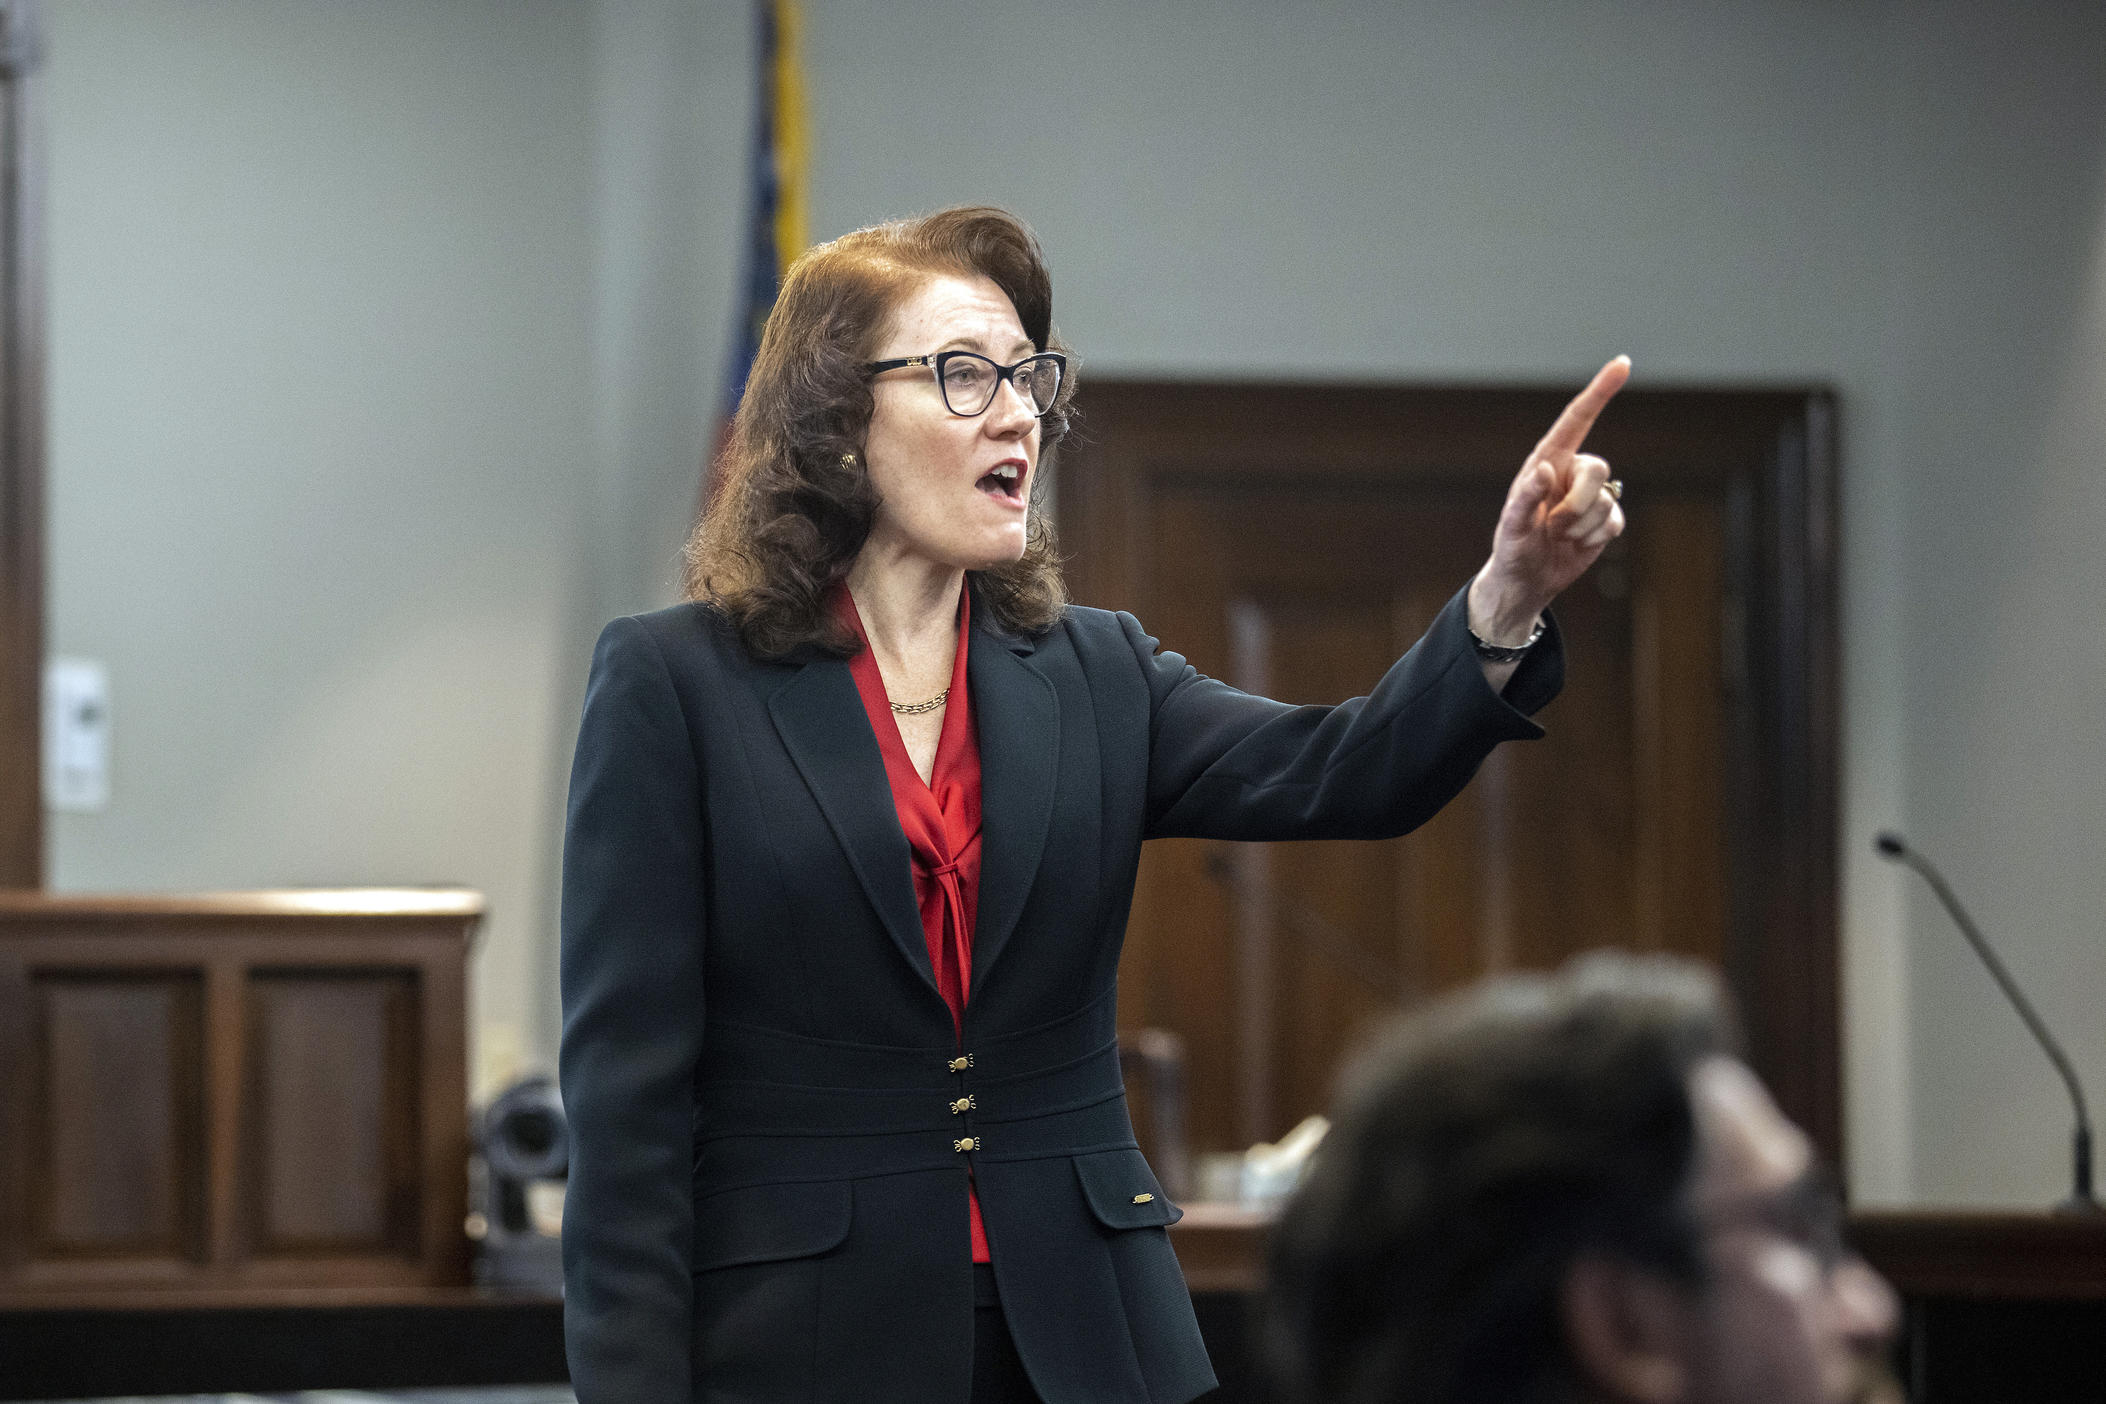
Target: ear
pixel 1628 1331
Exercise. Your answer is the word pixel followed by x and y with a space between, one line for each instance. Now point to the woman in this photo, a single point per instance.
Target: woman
pixel 852 837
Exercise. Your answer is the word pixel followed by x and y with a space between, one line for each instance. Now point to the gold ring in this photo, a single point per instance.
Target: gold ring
pixel 1615 487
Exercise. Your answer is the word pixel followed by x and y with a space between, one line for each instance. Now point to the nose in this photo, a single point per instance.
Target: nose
pixel 1012 412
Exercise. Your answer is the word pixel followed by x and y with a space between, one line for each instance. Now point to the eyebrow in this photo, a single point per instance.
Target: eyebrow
pixel 1022 346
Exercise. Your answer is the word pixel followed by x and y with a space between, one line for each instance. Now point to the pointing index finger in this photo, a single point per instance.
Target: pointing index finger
pixel 1566 436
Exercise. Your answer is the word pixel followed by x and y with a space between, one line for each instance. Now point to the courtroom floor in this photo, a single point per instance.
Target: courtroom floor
pixel 496 1394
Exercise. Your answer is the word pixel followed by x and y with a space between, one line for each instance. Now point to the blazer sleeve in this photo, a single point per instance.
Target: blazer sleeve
pixel 1224 764
pixel 632 1028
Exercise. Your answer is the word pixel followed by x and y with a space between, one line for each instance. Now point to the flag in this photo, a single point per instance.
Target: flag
pixel 775 217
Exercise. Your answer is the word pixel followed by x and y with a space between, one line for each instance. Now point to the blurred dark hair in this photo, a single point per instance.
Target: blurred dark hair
pixel 1486 1142
pixel 792 503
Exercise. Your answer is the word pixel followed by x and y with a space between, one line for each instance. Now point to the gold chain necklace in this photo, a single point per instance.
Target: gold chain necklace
pixel 915 709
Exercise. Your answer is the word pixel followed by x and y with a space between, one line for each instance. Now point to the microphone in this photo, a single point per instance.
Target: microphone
pixel 2080 1201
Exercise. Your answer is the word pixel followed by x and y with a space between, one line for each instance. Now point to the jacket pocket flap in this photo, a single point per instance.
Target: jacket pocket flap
pixel 1123 1192
pixel 766 1223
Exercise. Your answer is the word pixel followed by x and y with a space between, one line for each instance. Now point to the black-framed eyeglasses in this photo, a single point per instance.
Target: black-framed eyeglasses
pixel 969 380
pixel 1808 1212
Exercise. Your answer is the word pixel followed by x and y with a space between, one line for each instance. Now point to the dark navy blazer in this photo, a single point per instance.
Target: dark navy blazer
pixel 772 1118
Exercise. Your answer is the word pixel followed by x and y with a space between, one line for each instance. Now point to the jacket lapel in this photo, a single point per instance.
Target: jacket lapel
pixel 820 717
pixel 1018 718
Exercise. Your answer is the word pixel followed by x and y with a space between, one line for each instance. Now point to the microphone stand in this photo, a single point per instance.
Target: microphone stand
pixel 2080 1201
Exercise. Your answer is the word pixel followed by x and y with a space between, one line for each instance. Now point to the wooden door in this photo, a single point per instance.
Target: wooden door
pixel 1295 540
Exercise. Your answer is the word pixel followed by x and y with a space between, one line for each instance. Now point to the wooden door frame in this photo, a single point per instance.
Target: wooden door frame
pixel 21 443
pixel 1768 454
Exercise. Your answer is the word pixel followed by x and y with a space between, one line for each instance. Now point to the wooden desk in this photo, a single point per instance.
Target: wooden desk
pixel 1924 1253
pixel 350 1340
pixel 1221 1246
pixel 204 1342
pixel 1985 1256
pixel 232 1099
pixel 1999 1307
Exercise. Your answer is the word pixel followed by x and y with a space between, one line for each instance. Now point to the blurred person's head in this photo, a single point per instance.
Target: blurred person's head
pixel 824 452
pixel 1570 1188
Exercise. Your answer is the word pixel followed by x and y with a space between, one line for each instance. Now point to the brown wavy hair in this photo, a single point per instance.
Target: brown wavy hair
pixel 792 503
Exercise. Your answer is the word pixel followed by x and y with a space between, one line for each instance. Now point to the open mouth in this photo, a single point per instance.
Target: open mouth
pixel 1006 480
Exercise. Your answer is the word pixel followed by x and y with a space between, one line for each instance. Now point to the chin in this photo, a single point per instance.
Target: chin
pixel 997 555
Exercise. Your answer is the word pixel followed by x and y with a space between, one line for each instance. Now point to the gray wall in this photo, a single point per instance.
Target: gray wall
pixel 2000 364
pixel 386 338
pixel 320 388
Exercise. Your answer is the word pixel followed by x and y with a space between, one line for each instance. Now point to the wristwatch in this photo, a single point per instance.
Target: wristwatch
pixel 1504 653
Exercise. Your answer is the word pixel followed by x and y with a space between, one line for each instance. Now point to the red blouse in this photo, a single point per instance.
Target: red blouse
pixel 941 820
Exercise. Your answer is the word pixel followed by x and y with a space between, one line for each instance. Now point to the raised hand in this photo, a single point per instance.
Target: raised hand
pixel 1560 512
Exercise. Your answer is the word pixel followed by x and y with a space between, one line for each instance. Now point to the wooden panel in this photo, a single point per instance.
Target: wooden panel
pixel 1331 936
pixel 1677 619
pixel 1294 539
pixel 256 1098
pixel 1309 597
pixel 335 1111
pixel 120 1114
